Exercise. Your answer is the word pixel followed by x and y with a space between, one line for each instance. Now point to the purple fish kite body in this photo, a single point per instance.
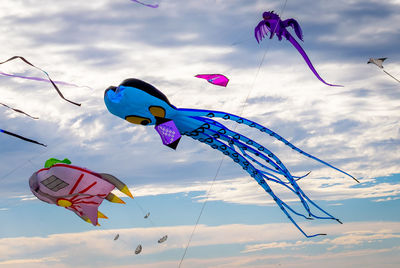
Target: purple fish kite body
pixel 272 23
pixel 216 79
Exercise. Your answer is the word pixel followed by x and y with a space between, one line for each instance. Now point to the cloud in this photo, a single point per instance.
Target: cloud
pixel 350 239
pixel 100 43
pixel 76 248
pixel 246 191
pixel 29 261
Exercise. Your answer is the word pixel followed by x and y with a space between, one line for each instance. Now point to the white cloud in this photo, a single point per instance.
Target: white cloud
pixel 247 191
pixel 350 239
pixel 64 249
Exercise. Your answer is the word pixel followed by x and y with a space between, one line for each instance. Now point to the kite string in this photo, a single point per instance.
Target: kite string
pixel 220 164
pixel 201 211
pixel 25 162
pixel 144 212
pixel 391 76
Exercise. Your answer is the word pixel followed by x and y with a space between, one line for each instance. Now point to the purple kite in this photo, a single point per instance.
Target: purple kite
pixel 147 5
pixel 216 79
pixel 168 132
pixel 74 188
pixel 272 23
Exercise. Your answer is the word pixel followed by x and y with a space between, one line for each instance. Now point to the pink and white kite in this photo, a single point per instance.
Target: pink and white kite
pixel 77 189
pixel 216 79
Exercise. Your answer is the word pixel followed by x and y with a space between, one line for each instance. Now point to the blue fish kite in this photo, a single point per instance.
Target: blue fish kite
pixel 141 103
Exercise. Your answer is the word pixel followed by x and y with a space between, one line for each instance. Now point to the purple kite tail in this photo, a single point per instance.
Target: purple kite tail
pixel 290 38
pixel 147 5
pixel 48 76
pixel 39 79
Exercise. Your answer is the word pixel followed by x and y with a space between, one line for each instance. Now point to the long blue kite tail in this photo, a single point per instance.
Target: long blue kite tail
pixel 290 38
pixel 241 120
pixel 259 177
pixel 233 138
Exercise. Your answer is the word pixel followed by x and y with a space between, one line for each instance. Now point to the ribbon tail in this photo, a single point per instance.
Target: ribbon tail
pixel 307 59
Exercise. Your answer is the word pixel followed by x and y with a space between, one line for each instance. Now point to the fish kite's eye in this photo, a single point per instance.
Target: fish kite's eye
pixel 137 120
pixel 157 111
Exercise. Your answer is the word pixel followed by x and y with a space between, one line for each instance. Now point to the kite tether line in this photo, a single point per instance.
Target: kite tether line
pixel 222 159
pixel 391 76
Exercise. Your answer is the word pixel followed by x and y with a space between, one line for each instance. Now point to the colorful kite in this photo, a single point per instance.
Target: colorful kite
pixel 21 137
pixel 272 23
pixel 216 79
pixel 147 5
pixel 33 78
pixel 77 189
pixel 140 103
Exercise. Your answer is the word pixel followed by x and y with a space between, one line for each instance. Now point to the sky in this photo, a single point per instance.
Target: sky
pixel 96 44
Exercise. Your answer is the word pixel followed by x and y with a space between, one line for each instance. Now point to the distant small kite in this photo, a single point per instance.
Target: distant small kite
pixel 116 237
pixel 379 62
pixel 147 215
pixel 163 239
pixel 273 24
pixel 216 79
pixel 147 5
pixel 138 249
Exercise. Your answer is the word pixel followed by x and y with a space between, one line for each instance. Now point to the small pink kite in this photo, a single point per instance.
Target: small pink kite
pixel 216 79
pixel 77 189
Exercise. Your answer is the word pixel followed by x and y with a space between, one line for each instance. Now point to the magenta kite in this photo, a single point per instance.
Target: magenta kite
pixel 215 79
